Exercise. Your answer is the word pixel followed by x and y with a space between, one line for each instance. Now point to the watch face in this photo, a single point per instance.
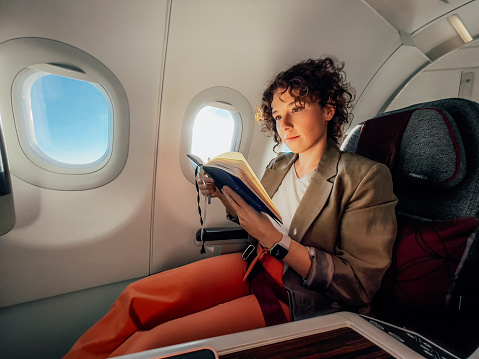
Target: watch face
pixel 278 251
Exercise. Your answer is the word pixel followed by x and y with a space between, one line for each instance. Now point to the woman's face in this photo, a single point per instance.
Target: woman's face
pixel 303 128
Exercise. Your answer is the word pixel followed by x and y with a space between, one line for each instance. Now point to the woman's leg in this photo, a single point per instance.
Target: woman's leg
pixel 232 317
pixel 160 298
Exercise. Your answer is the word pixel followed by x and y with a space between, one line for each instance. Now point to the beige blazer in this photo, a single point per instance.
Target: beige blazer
pixel 347 215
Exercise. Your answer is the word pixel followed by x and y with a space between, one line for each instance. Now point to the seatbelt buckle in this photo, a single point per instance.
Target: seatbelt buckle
pixel 248 252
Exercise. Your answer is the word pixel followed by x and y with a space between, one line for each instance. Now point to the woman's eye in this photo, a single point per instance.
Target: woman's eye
pixel 297 109
pixel 277 118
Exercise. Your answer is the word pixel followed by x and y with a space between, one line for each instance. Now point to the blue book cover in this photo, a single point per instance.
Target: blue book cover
pixel 231 169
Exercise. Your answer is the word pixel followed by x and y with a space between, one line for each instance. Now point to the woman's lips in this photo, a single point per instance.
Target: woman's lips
pixel 291 138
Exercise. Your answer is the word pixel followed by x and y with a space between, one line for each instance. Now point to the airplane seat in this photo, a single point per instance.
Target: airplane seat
pixel 432 150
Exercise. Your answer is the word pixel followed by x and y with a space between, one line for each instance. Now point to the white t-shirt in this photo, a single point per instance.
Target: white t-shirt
pixel 288 196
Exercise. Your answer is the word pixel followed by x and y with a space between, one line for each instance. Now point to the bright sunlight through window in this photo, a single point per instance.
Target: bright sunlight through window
pixel 213 132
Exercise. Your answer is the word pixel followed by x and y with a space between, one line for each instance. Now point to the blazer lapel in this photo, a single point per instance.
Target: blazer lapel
pixel 272 178
pixel 317 192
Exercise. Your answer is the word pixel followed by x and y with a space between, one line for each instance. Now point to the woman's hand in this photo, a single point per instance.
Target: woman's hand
pixel 208 187
pixel 257 224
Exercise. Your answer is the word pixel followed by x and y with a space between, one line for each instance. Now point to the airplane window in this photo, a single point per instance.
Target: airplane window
pixel 67 120
pixel 214 131
pixel 68 126
pixel 285 148
pixel 217 120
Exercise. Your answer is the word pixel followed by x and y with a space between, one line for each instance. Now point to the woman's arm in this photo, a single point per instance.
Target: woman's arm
pixel 367 230
pixel 259 226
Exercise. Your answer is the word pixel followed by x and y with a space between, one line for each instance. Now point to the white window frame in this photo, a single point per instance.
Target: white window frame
pixel 221 97
pixel 19 54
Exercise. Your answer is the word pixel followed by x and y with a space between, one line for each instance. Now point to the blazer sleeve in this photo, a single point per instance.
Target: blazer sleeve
pixel 366 234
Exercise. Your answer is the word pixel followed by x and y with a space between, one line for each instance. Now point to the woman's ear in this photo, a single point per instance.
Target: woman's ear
pixel 329 111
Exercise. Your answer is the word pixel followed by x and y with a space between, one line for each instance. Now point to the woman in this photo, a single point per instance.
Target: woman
pixel 330 253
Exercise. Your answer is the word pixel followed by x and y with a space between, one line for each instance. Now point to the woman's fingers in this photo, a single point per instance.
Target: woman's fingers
pixel 257 224
pixel 238 203
pixel 235 197
pixel 207 186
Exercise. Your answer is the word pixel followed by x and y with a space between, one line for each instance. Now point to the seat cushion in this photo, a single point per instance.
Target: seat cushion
pixel 425 259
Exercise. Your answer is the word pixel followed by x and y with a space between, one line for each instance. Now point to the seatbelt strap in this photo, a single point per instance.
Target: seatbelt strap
pixel 199 170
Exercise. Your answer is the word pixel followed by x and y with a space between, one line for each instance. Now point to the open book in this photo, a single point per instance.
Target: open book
pixel 231 169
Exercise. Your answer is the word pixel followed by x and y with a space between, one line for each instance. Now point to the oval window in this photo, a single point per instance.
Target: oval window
pixel 68 125
pixel 214 131
pixel 215 122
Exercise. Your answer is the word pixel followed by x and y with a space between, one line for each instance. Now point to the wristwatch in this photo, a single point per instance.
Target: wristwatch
pixel 281 248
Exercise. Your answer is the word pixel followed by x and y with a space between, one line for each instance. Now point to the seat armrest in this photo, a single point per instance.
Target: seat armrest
pixel 221 234
pixel 230 239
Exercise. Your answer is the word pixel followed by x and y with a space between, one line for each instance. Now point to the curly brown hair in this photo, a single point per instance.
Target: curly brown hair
pixel 310 81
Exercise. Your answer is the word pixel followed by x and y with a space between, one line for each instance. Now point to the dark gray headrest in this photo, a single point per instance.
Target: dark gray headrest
pixel 430 151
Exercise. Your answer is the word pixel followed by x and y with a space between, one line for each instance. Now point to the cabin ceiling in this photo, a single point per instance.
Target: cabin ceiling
pixel 411 15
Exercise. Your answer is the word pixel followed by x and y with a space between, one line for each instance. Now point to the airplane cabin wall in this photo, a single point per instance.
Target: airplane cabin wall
pixel 65 241
pixel 442 79
pixel 428 63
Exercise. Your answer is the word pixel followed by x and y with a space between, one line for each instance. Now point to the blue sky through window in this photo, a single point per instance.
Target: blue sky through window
pixel 70 119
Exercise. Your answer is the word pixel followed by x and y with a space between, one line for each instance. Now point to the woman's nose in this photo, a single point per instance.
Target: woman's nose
pixel 286 122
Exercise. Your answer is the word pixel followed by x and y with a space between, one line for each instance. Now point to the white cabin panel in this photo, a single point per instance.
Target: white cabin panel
pixel 65 241
pixel 442 79
pixel 382 88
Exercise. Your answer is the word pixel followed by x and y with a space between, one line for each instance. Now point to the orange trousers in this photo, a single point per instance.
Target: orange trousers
pixel 200 300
